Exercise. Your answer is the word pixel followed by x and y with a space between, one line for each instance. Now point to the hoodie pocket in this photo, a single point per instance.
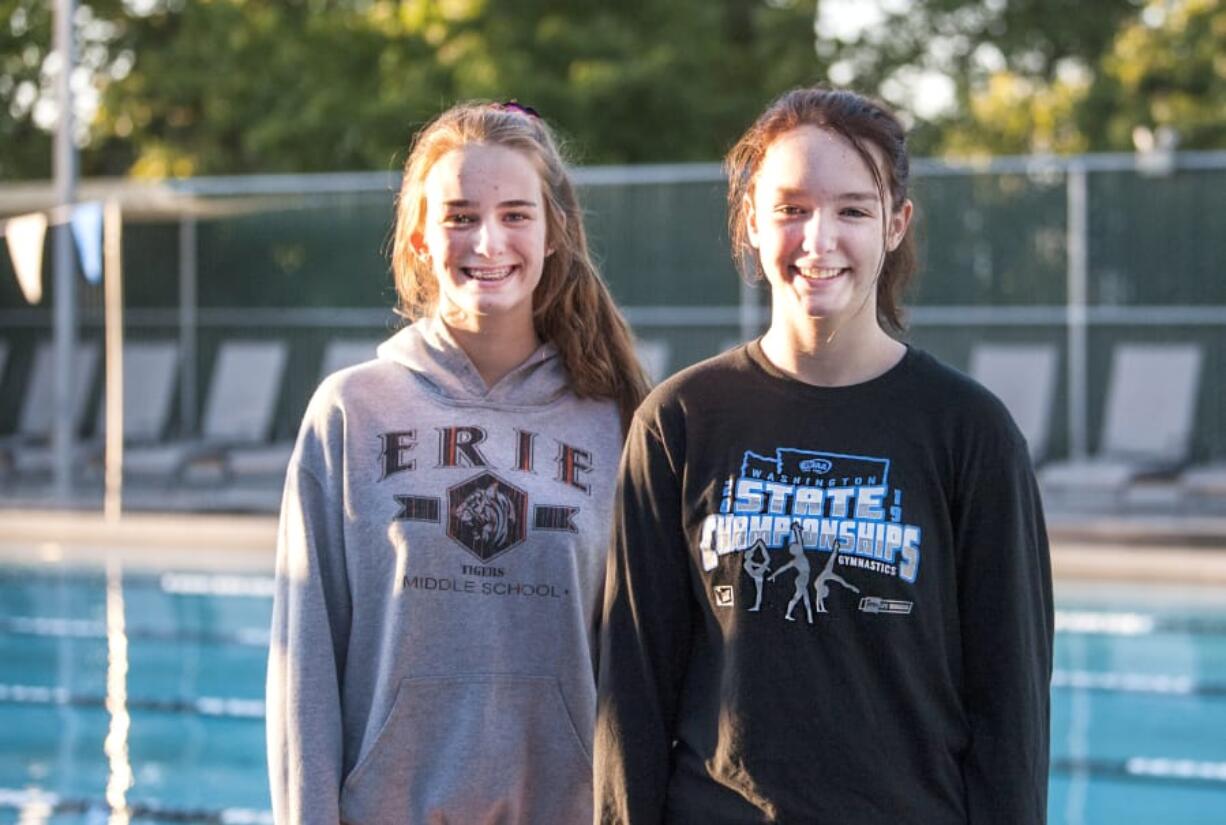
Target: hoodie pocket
pixel 473 749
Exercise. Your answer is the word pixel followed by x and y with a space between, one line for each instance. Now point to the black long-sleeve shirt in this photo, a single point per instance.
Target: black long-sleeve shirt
pixel 825 605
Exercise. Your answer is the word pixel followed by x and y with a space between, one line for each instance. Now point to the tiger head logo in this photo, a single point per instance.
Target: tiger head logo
pixel 487 515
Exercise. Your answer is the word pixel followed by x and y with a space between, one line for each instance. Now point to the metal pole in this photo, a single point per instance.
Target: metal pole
pixel 65 321
pixel 187 324
pixel 1078 277
pixel 112 282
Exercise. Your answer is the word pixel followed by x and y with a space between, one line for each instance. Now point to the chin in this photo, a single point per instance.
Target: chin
pixel 824 313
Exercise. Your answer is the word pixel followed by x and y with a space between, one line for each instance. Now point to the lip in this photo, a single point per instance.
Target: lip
pixel 489 274
pixel 820 275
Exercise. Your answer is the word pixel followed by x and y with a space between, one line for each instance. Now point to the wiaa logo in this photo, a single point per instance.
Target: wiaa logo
pixel 811 464
pixel 817 466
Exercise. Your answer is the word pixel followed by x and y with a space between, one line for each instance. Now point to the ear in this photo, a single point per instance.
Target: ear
pixel 899 221
pixel 751 220
pixel 417 243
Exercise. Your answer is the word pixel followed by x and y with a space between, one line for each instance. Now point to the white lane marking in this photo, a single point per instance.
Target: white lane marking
pixel 1176 768
pixel 17 797
pixel 48 626
pixel 1107 623
pixel 203 705
pixel 203 584
pixel 1124 682
pixel 240 708
pixel 24 798
pixel 86 629
pixel 33 695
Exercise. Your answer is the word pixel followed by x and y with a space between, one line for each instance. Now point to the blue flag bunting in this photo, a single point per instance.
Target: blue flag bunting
pixel 87 231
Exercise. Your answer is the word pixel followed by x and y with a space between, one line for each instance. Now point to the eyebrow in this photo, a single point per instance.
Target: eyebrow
pixel 869 197
pixel 872 197
pixel 460 203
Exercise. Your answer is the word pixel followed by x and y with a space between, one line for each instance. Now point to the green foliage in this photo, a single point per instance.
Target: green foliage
pixel 191 87
pixel 1168 68
pixel 24 145
pixel 1162 67
pixel 238 86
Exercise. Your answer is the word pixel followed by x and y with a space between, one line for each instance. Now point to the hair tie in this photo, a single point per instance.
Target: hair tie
pixel 514 105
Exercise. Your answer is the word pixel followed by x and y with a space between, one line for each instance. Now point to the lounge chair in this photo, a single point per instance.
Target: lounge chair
pixel 239 410
pixel 346 352
pixel 149 369
pixel 38 407
pixel 1147 426
pixel 1205 483
pixel 271 461
pixel 1023 377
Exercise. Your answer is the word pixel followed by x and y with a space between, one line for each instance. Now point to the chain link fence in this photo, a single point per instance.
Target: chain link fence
pixel 1082 253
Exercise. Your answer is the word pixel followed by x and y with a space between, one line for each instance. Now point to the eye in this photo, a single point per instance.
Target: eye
pixel 458 219
pixel 790 210
pixel 516 217
pixel 855 212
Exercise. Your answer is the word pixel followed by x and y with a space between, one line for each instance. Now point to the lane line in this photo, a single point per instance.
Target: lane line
pixel 26 798
pixel 172 583
pixel 213 706
pixel 47 627
pixel 1203 774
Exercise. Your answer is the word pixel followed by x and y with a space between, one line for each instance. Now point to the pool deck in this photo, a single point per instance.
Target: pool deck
pixel 152 541
pixel 1186 549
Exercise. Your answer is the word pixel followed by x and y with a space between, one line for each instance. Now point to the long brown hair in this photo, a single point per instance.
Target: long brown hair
pixel 571 307
pixel 864 123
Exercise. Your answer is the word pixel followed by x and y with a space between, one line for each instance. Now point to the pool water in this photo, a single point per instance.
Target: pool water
pixel 143 692
pixel 195 648
pixel 1139 706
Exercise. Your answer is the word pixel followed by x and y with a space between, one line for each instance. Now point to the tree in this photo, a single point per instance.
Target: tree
pixel 1161 68
pixel 1165 68
pixel 28 72
pixel 1021 60
pixel 237 86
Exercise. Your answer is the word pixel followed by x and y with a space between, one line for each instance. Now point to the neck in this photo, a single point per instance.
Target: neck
pixel 495 346
pixel 812 355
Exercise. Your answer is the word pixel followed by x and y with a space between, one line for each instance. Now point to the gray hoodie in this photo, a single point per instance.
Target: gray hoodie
pixel 439 566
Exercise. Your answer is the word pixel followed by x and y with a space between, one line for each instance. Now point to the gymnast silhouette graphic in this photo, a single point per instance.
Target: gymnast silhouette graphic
pixel 756 569
pixel 828 574
pixel 797 548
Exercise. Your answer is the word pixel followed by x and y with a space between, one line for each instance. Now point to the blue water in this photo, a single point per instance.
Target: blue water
pixel 1138 710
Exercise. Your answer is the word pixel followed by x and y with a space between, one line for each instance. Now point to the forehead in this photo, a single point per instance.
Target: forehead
pixel 814 159
pixel 480 172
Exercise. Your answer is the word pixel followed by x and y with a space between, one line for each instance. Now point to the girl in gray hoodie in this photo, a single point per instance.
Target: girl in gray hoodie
pixel 446 514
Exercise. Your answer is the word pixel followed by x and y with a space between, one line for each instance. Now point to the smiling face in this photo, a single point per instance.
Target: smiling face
pixel 815 217
pixel 484 232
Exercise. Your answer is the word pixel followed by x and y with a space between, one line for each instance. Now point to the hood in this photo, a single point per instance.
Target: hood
pixel 427 348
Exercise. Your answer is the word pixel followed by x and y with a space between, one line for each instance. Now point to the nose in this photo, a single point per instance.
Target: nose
pixel 821 233
pixel 489 240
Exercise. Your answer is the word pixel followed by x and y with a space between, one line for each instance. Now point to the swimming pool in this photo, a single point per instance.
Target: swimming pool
pixel 143 692
pixel 1139 706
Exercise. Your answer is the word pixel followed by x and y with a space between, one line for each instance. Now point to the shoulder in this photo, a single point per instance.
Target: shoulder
pixel 662 417
pixel 368 382
pixel 951 383
pixel 696 383
pixel 971 411
pixel 367 386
